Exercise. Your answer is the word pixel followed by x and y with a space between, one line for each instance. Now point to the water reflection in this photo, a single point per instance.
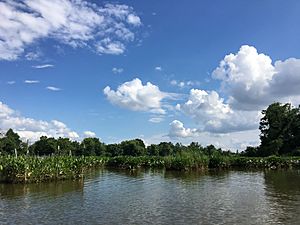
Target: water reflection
pixel 54 189
pixel 283 192
pixel 157 197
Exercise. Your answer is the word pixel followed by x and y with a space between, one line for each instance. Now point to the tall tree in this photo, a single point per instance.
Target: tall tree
pixel 280 129
pixel 11 142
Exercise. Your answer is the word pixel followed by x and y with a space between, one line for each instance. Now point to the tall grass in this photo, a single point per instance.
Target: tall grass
pixel 39 169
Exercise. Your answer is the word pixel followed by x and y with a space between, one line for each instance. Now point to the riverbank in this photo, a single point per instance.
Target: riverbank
pixel 31 169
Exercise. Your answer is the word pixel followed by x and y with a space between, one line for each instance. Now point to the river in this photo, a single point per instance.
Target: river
pixel 157 197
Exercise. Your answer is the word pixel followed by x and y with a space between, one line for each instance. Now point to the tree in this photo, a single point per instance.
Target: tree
pixel 64 146
pixel 92 146
pixel 165 148
pixel 280 129
pixel 114 150
pixel 11 142
pixel 211 149
pixel 250 151
pixel 133 147
pixel 195 146
pixel 153 150
pixel 45 146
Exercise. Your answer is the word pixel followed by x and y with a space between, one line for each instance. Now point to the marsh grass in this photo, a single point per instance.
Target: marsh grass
pixel 31 169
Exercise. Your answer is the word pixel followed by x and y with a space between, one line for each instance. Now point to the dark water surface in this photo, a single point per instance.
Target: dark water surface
pixel 157 197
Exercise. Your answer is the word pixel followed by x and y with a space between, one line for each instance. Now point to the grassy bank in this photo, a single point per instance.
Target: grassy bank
pixel 39 169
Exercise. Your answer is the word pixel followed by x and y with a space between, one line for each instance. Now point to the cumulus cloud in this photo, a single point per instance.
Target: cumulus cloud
pixel 77 23
pixel 135 96
pixel 51 88
pixel 203 105
pixel 43 66
pixel 212 114
pixel 133 19
pixel 252 81
pixel 31 129
pixel 177 130
pixel 89 133
pixel 231 141
pixel 158 68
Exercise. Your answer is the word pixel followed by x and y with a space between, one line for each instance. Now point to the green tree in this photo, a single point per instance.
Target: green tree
pixel 153 150
pixel 45 146
pixel 11 142
pixel 64 146
pixel 114 150
pixel 133 147
pixel 280 129
pixel 165 148
pixel 250 151
pixel 92 146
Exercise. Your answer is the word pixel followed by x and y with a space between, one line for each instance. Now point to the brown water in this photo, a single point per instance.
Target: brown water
pixel 157 197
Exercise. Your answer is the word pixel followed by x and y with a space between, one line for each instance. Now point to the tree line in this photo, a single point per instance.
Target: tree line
pixel 12 144
pixel 279 127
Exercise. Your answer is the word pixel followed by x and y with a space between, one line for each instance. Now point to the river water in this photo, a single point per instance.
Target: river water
pixel 157 197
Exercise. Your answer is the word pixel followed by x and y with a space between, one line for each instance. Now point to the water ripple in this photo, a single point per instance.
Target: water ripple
pixel 157 197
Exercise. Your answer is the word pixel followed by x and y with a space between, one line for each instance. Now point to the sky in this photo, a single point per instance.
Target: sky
pixel 155 70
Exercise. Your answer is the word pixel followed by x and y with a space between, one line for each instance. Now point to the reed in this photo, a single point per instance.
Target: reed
pixel 31 169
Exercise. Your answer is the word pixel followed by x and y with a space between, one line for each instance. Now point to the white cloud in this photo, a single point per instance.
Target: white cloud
pixel 77 23
pixel 31 81
pixel 89 133
pixel 107 46
pixel 177 130
pixel 51 88
pixel 133 19
pixel 32 129
pixel 182 84
pixel 231 141
pixel 156 119
pixel 33 56
pixel 117 70
pixel 253 82
pixel 212 114
pixel 133 95
pixel 204 106
pixel 174 82
pixel 11 82
pixel 43 66
pixel 158 68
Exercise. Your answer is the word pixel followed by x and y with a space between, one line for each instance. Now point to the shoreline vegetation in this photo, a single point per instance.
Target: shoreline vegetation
pixel 50 159
pixel 36 169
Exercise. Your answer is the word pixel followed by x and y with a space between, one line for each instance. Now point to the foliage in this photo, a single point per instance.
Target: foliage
pixel 10 142
pixel 280 130
pixel 133 147
pixel 92 147
pixel 27 169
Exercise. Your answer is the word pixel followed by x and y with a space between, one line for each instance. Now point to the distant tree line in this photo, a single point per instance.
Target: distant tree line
pixel 11 143
pixel 279 127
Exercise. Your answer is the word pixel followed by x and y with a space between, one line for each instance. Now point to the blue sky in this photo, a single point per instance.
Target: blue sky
pixel 55 65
